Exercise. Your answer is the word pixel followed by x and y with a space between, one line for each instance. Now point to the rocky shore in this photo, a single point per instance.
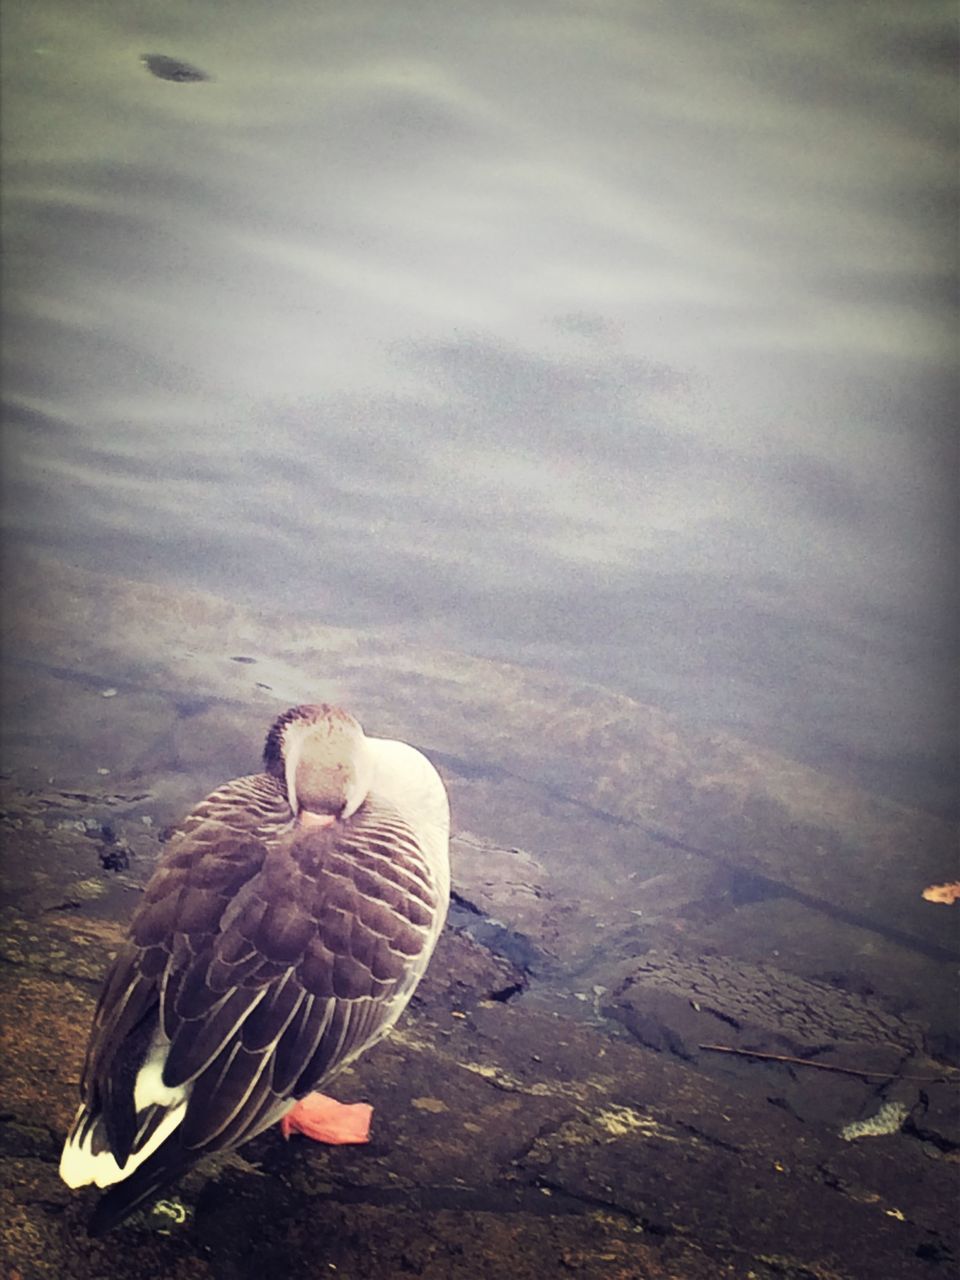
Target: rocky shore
pixel 690 1017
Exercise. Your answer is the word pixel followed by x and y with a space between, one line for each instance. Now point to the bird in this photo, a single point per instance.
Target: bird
pixel 281 935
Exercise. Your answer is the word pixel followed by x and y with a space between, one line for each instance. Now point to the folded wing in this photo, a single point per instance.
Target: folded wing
pixel 257 969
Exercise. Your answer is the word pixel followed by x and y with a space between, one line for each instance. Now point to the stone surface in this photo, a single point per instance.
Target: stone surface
pixel 625 894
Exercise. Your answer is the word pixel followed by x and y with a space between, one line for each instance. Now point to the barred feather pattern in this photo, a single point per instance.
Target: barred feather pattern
pixel 264 958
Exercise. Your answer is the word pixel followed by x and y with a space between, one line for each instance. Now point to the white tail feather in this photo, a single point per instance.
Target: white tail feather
pixel 80 1166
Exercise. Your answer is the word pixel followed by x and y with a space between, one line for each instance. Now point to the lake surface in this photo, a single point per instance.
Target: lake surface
pixel 569 389
pixel 616 340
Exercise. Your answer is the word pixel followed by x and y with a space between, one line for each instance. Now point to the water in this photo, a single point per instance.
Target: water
pixel 605 339
pixel 614 342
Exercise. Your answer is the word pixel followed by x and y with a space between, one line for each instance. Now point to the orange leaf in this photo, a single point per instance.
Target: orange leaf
pixel 942 892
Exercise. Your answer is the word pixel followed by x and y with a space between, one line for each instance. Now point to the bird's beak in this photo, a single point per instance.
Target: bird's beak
pixel 310 820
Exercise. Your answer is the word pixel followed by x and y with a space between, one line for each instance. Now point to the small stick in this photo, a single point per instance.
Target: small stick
pixel 820 1066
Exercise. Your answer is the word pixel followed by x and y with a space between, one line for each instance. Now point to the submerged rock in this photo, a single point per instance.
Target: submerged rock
pixel 166 68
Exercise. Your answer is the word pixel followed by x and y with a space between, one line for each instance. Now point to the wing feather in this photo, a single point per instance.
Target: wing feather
pixel 218 1102
pixel 298 1043
pixel 267 1023
pixel 198 1042
pixel 268 961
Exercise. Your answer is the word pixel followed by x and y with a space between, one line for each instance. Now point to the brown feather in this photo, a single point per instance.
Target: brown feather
pixel 270 956
pixel 269 1020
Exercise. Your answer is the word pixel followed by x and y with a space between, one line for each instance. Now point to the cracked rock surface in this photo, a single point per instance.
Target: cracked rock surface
pixel 625 895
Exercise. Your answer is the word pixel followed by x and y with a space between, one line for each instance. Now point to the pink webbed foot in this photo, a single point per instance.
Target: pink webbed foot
pixel 326 1120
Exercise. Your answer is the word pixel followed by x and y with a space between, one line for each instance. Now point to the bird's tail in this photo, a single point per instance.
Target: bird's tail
pixel 144 1184
pixel 88 1154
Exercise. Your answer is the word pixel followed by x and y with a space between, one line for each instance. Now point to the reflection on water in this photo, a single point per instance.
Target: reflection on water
pixel 609 340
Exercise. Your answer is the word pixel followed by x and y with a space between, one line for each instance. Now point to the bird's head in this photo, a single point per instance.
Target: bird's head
pixel 320 755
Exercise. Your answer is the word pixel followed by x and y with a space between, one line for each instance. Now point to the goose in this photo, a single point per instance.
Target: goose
pixel 282 934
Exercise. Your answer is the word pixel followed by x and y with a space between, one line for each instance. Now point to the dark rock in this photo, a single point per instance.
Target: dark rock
pixel 115 857
pixel 165 68
pixel 678 1001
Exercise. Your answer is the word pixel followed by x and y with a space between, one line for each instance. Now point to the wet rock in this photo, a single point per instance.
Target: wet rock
pixel 935 1117
pixel 505 883
pixel 505 1142
pixel 677 1001
pixel 462 973
pixel 35 1141
pixel 166 68
pixel 548 1144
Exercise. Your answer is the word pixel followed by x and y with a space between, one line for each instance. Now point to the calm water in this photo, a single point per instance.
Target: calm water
pixel 614 338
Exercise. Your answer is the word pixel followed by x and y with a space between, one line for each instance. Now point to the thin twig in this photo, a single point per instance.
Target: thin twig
pixel 820 1066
